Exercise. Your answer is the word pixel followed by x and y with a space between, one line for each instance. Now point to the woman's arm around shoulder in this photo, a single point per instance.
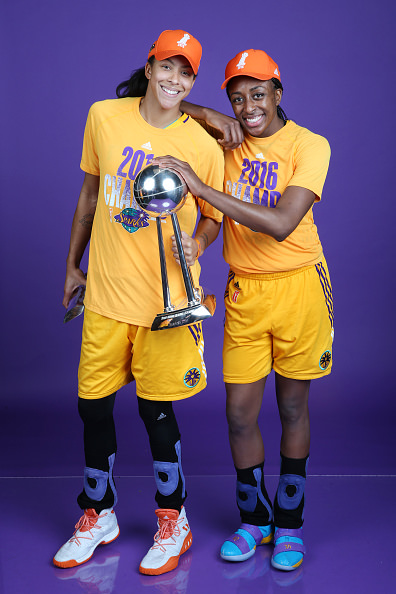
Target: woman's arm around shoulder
pixel 229 128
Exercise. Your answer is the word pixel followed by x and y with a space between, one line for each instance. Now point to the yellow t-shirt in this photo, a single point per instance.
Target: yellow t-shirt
pixel 259 171
pixel 124 277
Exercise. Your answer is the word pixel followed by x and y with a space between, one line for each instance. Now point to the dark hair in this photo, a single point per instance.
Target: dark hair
pixel 136 85
pixel 278 85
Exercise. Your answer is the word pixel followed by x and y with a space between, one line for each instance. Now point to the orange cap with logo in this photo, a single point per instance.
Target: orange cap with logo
pixel 254 63
pixel 177 43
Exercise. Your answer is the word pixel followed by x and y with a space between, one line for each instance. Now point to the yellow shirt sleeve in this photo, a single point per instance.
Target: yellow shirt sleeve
pixel 89 159
pixel 311 160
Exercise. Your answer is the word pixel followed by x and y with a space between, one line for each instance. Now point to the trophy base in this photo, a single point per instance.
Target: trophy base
pixel 181 317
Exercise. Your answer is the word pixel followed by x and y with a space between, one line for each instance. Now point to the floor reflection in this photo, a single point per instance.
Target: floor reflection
pixel 174 582
pixel 96 576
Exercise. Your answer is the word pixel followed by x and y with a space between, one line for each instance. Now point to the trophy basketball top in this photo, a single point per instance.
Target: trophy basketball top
pixel 159 191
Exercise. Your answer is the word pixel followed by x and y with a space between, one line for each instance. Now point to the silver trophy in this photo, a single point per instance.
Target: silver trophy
pixel 76 304
pixel 161 192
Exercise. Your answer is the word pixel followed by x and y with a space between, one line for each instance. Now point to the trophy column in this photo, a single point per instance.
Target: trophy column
pixel 161 192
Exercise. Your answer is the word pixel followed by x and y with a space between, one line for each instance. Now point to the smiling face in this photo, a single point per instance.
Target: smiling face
pixel 170 81
pixel 255 105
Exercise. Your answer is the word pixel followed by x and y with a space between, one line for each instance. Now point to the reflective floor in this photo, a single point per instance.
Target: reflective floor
pixel 350 522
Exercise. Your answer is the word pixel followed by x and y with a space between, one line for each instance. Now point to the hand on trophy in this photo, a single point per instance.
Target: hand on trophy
pixel 194 184
pixel 190 248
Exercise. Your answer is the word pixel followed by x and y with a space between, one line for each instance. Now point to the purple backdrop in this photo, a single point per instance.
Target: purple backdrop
pixel 337 63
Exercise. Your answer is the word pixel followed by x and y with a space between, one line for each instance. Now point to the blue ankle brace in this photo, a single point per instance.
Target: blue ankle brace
pixel 172 470
pixel 252 492
pixel 285 500
pixel 101 477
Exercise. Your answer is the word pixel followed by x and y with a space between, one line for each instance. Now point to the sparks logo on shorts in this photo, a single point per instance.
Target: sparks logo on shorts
pixel 192 377
pixel 325 360
pixel 132 219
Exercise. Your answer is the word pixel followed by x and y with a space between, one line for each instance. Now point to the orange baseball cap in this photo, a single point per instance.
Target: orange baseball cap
pixel 177 43
pixel 255 63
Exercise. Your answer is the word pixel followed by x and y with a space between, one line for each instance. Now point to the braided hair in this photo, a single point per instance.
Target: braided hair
pixel 278 85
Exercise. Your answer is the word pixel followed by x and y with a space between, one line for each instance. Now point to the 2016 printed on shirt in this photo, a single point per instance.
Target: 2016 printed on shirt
pixel 256 183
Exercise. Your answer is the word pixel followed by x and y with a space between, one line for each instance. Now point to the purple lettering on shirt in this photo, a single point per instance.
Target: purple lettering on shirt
pixel 245 169
pixel 263 173
pixel 254 173
pixel 265 198
pixel 274 197
pixel 136 164
pixel 256 196
pixel 128 151
pixel 272 177
pixel 246 194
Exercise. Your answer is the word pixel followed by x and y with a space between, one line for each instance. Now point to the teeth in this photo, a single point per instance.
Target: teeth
pixel 252 120
pixel 169 91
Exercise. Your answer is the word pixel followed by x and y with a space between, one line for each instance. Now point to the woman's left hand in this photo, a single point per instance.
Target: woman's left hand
pixel 190 247
pixel 194 184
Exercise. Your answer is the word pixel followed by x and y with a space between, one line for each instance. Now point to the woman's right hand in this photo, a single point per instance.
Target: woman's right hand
pixel 194 184
pixel 74 278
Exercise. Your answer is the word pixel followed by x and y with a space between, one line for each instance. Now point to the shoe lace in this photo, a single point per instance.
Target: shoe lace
pixel 85 524
pixel 167 529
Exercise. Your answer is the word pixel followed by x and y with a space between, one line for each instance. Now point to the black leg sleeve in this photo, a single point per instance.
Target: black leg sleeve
pixel 100 446
pixel 164 437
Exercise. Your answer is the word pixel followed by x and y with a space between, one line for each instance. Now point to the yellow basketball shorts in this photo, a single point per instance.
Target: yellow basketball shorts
pixel 281 321
pixel 166 364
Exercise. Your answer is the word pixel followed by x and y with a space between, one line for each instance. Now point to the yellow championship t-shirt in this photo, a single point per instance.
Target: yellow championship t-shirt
pixel 124 277
pixel 259 171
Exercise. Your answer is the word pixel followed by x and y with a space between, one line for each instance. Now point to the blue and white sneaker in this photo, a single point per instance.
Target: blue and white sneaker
pixel 242 544
pixel 289 549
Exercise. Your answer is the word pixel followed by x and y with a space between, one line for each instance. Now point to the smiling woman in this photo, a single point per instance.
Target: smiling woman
pixel 165 76
pixel 124 292
pixel 278 300
pixel 256 105
pixel 169 82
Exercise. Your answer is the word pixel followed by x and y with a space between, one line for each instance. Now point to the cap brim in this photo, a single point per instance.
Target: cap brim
pixel 251 74
pixel 164 55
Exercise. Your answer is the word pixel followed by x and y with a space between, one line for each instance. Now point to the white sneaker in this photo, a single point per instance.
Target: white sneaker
pixel 91 530
pixel 172 540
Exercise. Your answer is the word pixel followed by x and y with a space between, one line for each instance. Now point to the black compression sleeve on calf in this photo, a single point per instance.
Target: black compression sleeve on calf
pixel 99 430
pixel 164 436
pixel 100 446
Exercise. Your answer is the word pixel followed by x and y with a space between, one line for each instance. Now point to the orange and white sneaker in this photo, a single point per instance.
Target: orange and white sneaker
pixel 92 529
pixel 172 540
